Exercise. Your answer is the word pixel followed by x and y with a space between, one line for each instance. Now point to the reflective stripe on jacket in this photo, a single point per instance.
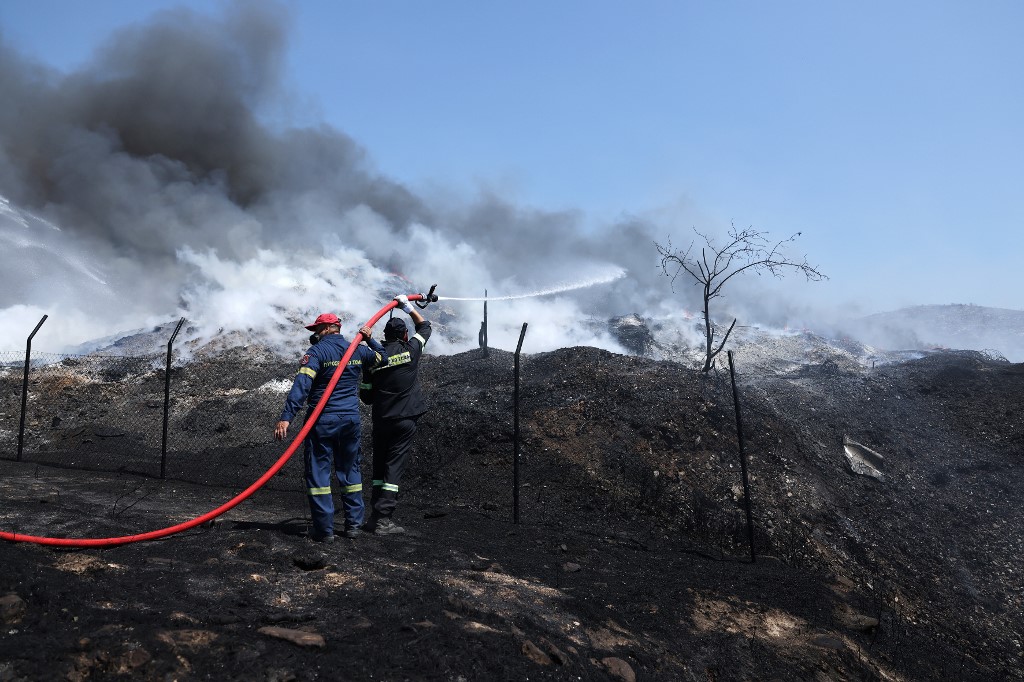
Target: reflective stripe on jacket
pixel 396 391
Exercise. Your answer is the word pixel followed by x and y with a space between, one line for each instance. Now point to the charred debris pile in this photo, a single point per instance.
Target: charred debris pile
pixel 899 482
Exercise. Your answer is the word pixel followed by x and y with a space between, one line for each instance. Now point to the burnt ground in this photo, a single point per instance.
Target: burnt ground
pixel 631 559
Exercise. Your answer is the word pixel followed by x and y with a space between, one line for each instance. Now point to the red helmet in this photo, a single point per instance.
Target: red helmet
pixel 324 318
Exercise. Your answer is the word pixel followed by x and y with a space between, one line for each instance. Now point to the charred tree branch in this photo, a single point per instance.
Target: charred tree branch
pixel 747 250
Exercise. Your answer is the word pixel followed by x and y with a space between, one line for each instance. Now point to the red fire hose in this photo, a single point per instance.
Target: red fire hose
pixel 230 504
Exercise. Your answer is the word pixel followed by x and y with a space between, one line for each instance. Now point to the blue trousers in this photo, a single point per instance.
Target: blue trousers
pixel 334 439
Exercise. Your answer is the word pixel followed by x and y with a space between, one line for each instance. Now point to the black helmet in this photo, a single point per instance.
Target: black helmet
pixel 395 329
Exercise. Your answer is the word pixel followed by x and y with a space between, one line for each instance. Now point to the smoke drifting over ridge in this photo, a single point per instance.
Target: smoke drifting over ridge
pixel 145 187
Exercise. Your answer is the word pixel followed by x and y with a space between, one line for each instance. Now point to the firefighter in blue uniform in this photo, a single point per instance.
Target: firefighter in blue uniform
pixel 393 389
pixel 337 433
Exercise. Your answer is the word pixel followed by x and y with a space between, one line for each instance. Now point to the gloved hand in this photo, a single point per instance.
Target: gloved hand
pixel 403 303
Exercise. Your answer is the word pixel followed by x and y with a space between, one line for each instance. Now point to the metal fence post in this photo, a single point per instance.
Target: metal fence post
pixel 24 386
pixel 483 328
pixel 515 431
pixel 167 399
pixel 743 460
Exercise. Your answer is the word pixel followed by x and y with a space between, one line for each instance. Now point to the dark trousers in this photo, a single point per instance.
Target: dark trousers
pixel 334 440
pixel 392 443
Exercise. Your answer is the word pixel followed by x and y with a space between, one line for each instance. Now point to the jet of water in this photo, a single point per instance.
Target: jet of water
pixel 555 289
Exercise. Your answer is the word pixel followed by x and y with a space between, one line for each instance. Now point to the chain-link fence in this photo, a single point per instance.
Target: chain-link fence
pixel 108 413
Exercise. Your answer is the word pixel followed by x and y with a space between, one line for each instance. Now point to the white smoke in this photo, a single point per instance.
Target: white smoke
pixel 268 297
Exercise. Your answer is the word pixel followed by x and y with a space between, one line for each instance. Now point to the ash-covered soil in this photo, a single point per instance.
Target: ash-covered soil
pixel 887 532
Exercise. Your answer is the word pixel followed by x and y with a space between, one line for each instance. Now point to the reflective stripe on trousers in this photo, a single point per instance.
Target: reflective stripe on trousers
pixel 334 440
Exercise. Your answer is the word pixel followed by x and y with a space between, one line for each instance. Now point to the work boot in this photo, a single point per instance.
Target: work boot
pixel 386 526
pixel 371 524
pixel 326 539
pixel 353 533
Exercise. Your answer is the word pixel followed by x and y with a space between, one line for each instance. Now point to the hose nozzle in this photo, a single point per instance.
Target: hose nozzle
pixel 427 298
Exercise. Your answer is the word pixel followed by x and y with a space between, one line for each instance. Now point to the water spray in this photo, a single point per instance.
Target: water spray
pixel 555 289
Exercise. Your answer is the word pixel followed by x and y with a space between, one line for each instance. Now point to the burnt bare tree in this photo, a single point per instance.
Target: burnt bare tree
pixel 746 250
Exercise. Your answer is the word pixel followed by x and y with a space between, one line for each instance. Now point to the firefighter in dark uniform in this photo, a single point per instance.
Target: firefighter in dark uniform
pixel 394 392
pixel 336 436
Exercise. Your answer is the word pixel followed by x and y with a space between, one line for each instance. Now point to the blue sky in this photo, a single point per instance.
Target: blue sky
pixel 889 134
